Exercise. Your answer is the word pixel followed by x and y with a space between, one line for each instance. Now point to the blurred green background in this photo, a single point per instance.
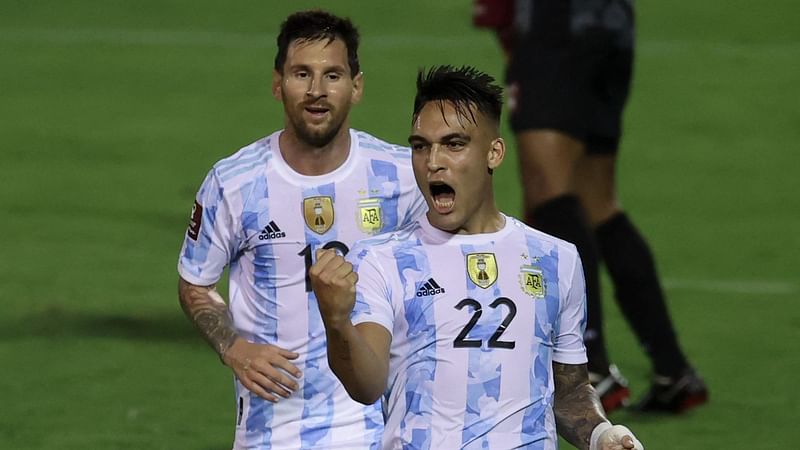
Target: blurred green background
pixel 111 113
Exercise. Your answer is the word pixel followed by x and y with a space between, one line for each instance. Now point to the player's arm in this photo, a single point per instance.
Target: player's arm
pixel 576 406
pixel 358 355
pixel 262 368
pixel 209 313
pixel 579 414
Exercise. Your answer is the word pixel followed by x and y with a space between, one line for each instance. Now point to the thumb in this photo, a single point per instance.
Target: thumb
pixel 627 442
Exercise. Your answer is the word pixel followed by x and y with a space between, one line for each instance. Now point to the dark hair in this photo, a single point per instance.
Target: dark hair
pixel 465 87
pixel 317 25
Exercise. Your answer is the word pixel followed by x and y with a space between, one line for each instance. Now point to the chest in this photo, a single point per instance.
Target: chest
pixel 283 226
pixel 489 298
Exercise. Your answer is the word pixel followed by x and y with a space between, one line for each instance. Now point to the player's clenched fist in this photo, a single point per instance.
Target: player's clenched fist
pixel 334 284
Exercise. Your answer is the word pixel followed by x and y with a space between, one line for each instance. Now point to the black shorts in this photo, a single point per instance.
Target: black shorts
pixel 570 71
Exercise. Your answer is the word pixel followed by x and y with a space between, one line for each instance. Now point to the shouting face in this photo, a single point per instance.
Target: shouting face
pixel 453 154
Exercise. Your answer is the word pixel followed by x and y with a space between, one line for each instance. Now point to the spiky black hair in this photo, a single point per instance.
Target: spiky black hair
pixel 465 87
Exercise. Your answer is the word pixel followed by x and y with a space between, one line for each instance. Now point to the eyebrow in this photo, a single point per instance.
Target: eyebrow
pixel 452 136
pixel 330 68
pixel 445 138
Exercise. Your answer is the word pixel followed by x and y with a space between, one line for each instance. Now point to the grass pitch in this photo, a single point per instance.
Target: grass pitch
pixel 113 111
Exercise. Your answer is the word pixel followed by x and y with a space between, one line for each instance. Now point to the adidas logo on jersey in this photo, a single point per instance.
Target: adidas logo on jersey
pixel 430 288
pixel 271 231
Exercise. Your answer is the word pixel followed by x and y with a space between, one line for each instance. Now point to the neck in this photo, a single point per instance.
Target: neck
pixel 488 222
pixel 310 160
pixel 486 218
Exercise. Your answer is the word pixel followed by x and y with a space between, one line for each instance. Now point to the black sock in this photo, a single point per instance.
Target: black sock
pixel 638 290
pixel 563 217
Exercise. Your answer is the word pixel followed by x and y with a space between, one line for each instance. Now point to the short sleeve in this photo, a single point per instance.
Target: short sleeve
pixel 208 245
pixel 373 296
pixel 569 347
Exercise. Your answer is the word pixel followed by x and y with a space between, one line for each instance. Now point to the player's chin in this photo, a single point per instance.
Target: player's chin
pixel 444 221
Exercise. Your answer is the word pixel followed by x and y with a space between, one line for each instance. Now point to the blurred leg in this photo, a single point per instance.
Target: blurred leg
pixel 548 159
pixel 630 264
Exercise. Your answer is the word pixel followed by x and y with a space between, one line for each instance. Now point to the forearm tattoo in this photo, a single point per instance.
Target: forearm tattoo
pixel 210 315
pixel 577 408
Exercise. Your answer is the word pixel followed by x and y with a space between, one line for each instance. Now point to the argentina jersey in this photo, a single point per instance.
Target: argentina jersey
pixel 265 221
pixel 476 322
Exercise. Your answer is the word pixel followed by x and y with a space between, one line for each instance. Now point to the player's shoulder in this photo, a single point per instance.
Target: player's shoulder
pixel 541 236
pixel 386 245
pixel 378 148
pixel 246 163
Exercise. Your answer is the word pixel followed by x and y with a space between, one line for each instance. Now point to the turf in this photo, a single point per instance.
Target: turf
pixel 113 111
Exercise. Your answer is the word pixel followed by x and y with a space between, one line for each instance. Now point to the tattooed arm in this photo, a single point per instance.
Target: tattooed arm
pixel 577 408
pixel 262 368
pixel 579 414
pixel 209 313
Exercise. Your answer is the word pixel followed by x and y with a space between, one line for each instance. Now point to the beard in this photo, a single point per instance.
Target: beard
pixel 316 137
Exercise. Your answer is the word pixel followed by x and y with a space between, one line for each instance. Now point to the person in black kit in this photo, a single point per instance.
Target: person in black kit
pixel 569 68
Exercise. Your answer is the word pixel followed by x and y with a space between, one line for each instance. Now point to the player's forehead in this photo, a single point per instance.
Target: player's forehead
pixel 445 118
pixel 323 51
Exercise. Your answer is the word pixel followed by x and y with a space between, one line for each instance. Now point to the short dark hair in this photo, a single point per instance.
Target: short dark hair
pixel 317 25
pixel 465 87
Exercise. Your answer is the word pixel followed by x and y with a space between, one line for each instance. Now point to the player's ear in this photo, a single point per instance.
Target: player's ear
pixel 497 152
pixel 277 79
pixel 358 88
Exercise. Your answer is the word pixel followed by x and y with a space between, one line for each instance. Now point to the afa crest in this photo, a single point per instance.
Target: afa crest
pixel 318 212
pixel 482 269
pixel 370 215
pixel 531 280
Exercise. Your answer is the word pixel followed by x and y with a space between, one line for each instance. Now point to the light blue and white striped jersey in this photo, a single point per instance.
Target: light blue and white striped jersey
pixel 476 323
pixel 264 220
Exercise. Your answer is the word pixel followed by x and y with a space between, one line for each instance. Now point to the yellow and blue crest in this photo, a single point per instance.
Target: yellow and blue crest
pixel 370 215
pixel 531 280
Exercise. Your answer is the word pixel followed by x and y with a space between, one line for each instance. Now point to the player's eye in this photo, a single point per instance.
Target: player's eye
pixel 417 146
pixel 334 76
pixel 455 145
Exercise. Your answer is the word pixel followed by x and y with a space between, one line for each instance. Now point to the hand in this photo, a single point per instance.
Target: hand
pixel 334 284
pixel 618 437
pixel 263 368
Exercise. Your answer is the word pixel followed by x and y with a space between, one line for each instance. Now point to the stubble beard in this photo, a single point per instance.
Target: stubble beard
pixel 317 137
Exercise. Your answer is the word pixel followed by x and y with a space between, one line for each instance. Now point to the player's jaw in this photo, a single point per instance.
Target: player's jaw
pixel 318 122
pixel 446 210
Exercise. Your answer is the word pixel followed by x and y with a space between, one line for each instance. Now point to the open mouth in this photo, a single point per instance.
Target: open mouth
pixel 444 196
pixel 316 111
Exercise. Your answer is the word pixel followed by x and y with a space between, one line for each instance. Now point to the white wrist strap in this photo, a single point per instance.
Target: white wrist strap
pixel 598 430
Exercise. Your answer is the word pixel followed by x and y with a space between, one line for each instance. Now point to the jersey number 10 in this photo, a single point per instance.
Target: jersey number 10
pixel 306 253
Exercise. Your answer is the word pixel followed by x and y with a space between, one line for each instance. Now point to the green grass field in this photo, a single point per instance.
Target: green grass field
pixel 111 112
